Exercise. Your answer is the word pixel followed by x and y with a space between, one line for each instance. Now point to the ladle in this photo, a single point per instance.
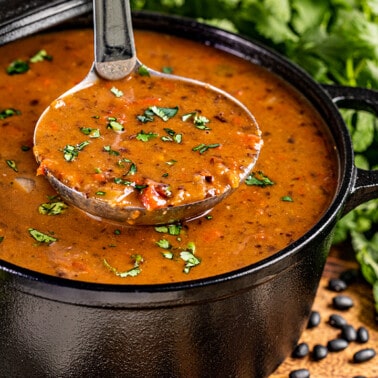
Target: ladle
pixel 115 59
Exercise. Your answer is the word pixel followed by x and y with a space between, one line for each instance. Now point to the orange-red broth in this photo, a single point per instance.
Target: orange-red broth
pixel 255 222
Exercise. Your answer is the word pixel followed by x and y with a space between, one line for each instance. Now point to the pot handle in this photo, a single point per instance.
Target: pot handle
pixel 365 185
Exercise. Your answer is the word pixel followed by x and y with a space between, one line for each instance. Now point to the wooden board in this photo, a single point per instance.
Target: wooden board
pixel 338 364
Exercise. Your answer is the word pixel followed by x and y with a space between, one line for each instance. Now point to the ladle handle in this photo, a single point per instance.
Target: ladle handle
pixel 115 56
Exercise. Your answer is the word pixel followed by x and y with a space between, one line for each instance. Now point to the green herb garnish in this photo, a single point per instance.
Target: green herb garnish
pixel 12 164
pixel 116 92
pixel 145 137
pixel 201 148
pixel 114 124
pixel 40 56
pixel 258 179
pixel 70 152
pixel 40 237
pixel 9 113
pixel 133 272
pixel 18 66
pixel 110 151
pixel 54 207
pixel 92 133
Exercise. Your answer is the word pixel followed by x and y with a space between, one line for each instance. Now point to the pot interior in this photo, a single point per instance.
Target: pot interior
pixel 259 271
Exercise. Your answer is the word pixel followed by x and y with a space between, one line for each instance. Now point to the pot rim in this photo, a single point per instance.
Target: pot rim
pixel 62 289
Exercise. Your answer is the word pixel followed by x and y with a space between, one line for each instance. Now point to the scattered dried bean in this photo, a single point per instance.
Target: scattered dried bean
pixel 301 350
pixel 300 373
pixel 319 352
pixel 348 333
pixel 364 355
pixel 342 302
pixel 314 319
pixel 337 284
pixel 337 321
pixel 337 345
pixel 362 335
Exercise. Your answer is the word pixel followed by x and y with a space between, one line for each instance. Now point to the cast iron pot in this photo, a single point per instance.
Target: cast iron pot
pixel 241 324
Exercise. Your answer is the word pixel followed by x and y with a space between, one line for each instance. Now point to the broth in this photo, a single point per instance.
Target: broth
pixel 293 182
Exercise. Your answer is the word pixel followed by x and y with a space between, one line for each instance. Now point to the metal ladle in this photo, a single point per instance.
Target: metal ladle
pixel 115 58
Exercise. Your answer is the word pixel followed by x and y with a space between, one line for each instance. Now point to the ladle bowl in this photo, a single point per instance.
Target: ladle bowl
pixel 115 59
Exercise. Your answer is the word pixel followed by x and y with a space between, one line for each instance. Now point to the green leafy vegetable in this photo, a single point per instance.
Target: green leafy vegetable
pixel 9 113
pixel 40 237
pixel 202 148
pixel 92 133
pixel 114 124
pixel 12 164
pixel 18 66
pixel 40 56
pixel 133 272
pixel 110 151
pixel 54 207
pixel 258 179
pixel 70 153
pixel 145 137
pixel 116 92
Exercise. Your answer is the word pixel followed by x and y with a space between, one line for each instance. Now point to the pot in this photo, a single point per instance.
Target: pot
pixel 240 324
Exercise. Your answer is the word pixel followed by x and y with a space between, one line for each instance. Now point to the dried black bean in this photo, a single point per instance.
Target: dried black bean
pixel 300 373
pixel 350 276
pixel 300 351
pixel 314 319
pixel 319 352
pixel 362 335
pixel 337 321
pixel 337 284
pixel 342 302
pixel 364 355
pixel 336 345
pixel 348 333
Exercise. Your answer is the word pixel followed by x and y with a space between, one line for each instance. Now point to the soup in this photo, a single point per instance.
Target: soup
pixel 293 182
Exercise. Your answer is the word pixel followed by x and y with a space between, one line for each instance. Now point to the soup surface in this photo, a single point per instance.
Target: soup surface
pixel 291 186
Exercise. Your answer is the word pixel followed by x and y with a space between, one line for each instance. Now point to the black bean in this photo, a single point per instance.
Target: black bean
pixel 348 333
pixel 319 352
pixel 360 376
pixel 337 321
pixel 362 335
pixel 300 351
pixel 350 276
pixel 314 319
pixel 336 345
pixel 342 302
pixel 337 284
pixel 364 355
pixel 300 373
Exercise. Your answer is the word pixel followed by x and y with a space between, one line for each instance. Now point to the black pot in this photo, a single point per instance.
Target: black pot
pixel 241 324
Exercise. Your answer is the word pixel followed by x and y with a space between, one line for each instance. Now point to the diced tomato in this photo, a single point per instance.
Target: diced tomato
pixel 151 198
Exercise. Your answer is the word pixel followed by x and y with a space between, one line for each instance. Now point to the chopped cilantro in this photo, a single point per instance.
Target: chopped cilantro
pixel 287 199
pixel 18 66
pixel 70 153
pixel 92 133
pixel 111 151
pixel 133 272
pixel 201 148
pixel 116 92
pixel 41 237
pixel 143 71
pixel 9 113
pixel 40 56
pixel 54 207
pixel 145 137
pixel 258 179
pixel 12 164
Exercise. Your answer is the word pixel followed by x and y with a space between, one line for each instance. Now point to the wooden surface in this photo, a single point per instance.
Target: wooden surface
pixel 338 365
